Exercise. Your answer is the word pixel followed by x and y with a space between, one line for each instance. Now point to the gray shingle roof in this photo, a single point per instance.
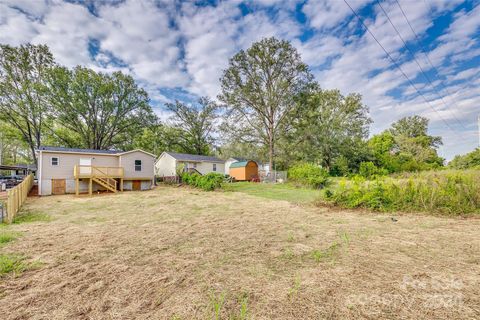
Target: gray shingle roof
pixel 62 149
pixel 194 157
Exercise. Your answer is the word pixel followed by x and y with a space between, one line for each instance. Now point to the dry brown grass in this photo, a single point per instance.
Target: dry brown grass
pixel 175 253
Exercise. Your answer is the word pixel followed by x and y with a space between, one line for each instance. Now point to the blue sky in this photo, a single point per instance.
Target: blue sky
pixel 178 49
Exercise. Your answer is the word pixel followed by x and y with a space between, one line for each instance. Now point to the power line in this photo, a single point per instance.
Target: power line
pixel 400 69
pixel 418 64
pixel 424 51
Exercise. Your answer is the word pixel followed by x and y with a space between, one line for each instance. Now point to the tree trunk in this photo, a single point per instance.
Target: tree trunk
pixel 34 156
pixel 271 152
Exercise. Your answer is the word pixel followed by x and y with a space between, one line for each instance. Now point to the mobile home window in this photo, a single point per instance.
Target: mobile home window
pixel 138 165
pixel 214 167
pixel 54 161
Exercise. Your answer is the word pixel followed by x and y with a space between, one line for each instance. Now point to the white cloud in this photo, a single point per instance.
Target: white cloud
pixel 329 13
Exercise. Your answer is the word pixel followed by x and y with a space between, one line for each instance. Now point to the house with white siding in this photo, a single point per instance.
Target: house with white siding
pixel 71 170
pixel 169 163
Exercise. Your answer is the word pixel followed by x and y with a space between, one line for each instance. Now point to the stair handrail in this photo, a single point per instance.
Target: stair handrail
pixel 107 182
pixel 106 177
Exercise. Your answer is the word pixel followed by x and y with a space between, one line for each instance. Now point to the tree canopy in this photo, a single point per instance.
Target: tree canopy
pixel 259 88
pixel 195 124
pixel 96 110
pixel 406 146
pixel 330 126
pixel 470 160
pixel 23 103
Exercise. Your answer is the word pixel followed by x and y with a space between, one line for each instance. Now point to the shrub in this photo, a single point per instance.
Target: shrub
pixel 340 167
pixel 369 170
pixel 446 192
pixel 208 182
pixel 308 174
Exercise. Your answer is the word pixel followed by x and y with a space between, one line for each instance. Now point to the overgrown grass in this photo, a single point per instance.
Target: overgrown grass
pixel 31 216
pixel 279 191
pixel 451 192
pixel 7 236
pixel 10 263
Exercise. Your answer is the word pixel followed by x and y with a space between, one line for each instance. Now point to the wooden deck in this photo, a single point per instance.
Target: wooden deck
pixel 103 176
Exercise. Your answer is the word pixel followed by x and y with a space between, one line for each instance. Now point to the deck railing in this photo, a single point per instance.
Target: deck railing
pixel 83 171
pixel 17 196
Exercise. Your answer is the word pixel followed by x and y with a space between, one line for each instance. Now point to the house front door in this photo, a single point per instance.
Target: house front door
pixel 85 166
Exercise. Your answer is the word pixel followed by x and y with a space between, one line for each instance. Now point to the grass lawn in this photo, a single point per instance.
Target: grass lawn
pixel 278 191
pixel 180 253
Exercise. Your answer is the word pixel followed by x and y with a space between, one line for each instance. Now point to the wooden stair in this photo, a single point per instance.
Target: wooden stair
pixel 108 183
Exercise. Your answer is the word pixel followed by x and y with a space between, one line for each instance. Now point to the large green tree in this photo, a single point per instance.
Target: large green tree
pixel 406 146
pixel 96 110
pixel 331 125
pixel 13 148
pixel 259 88
pixel 415 127
pixel 158 138
pixel 195 123
pixel 23 103
pixel 467 161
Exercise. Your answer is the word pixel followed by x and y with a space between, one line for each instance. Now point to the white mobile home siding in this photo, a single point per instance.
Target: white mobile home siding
pixel 127 161
pixel 64 169
pixel 227 165
pixel 207 167
pixel 165 166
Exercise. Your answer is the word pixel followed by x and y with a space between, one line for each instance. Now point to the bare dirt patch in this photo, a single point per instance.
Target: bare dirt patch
pixel 175 253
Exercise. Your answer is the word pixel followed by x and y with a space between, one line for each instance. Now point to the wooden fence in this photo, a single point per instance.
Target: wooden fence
pixel 17 196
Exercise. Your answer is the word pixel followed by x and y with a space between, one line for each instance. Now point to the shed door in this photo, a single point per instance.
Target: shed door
pixel 58 186
pixel 136 185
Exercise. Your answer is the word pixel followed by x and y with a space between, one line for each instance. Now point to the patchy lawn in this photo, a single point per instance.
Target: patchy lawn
pixel 179 253
pixel 287 192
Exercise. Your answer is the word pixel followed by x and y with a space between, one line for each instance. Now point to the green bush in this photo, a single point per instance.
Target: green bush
pixel 447 192
pixel 208 182
pixel 370 170
pixel 308 174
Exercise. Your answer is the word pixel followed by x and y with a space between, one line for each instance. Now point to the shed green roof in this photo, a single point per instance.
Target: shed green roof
pixel 240 164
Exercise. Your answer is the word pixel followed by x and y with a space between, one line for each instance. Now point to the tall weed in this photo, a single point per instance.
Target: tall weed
pixel 309 175
pixel 450 192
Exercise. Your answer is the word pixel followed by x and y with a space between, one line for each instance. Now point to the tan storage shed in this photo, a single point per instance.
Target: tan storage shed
pixel 244 170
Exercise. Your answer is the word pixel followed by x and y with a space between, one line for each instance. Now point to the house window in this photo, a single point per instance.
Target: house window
pixel 138 165
pixel 54 161
pixel 195 165
pixel 214 167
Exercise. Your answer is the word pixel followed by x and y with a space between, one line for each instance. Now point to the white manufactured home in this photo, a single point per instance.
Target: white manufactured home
pixel 70 170
pixel 169 163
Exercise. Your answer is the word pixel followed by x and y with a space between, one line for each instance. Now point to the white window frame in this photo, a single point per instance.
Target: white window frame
pixel 214 167
pixel 135 165
pixel 58 161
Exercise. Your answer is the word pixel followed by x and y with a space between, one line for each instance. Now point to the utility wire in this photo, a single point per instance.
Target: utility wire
pixel 424 51
pixel 418 64
pixel 400 69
